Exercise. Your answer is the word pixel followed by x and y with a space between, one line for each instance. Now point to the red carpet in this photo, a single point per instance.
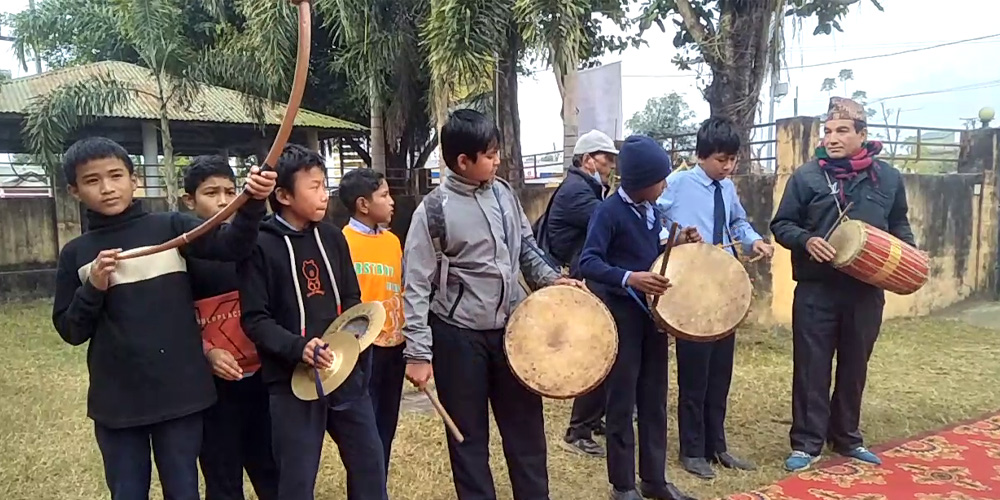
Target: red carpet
pixel 959 463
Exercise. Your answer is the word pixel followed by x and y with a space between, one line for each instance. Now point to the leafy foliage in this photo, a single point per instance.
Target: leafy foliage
pixel 664 117
pixel 741 43
pixel 56 115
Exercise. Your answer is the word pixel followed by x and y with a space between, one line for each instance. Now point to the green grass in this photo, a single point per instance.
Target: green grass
pixel 925 373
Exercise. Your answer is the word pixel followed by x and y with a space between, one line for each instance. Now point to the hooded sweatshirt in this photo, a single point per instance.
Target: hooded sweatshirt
pixel 489 244
pixel 292 287
pixel 145 357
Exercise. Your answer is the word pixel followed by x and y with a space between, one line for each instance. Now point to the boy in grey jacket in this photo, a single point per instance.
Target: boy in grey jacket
pixel 468 243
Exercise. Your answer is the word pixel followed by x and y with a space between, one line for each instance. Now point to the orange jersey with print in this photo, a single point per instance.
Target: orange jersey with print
pixel 219 318
pixel 378 262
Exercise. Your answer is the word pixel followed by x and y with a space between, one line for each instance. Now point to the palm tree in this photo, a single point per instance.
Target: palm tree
pixel 153 30
pixel 156 34
pixel 555 29
pixel 473 49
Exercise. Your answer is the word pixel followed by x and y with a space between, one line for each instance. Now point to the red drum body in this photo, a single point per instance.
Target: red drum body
pixel 878 258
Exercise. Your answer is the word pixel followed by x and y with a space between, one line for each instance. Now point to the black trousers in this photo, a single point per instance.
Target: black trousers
pixel 638 380
pixel 588 410
pixel 298 427
pixel 704 374
pixel 237 437
pixel 127 466
pixel 471 372
pixel 386 390
pixel 827 318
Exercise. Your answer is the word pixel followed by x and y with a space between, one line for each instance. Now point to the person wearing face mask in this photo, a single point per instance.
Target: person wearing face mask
pixel 561 232
pixel 831 311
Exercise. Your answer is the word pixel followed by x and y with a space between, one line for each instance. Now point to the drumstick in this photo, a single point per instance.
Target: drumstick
pixel 843 215
pixel 448 422
pixel 666 255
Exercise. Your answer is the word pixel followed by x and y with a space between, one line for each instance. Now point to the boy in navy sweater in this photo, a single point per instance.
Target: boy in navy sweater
pixel 238 426
pixel 624 238
pixel 299 278
pixel 149 381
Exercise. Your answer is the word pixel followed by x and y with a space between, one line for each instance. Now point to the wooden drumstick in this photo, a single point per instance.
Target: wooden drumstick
pixel 666 255
pixel 448 422
pixel 840 220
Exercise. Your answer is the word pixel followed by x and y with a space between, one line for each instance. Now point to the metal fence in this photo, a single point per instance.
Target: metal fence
pixel 912 149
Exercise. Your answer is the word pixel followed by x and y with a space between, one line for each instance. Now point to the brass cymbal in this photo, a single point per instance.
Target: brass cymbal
pixel 364 321
pixel 345 348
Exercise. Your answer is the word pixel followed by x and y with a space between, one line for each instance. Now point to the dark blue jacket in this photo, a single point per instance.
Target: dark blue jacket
pixel 618 241
pixel 563 233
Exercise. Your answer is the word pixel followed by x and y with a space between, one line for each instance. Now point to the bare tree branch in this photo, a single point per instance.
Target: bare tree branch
pixel 698 31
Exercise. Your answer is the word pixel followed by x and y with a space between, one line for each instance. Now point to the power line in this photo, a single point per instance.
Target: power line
pixel 829 63
pixel 973 86
pixel 919 49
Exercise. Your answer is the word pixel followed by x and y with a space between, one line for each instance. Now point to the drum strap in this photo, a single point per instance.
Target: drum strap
pixel 642 303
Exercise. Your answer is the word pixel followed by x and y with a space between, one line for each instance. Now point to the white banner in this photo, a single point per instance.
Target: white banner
pixel 599 99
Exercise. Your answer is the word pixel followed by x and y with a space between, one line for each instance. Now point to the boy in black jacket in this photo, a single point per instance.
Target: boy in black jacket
pixel 299 278
pixel 148 378
pixel 238 426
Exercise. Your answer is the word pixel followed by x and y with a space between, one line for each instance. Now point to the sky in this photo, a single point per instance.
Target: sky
pixel 905 25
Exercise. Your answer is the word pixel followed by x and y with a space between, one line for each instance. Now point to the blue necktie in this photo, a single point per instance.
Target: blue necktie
pixel 720 214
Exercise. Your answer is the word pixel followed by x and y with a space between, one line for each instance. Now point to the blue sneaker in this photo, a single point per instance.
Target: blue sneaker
pixel 799 461
pixel 861 453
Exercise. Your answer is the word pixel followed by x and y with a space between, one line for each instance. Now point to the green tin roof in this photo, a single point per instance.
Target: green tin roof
pixel 212 104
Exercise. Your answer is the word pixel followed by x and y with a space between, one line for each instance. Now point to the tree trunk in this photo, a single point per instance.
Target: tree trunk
pixel 168 169
pixel 511 164
pixel 567 83
pixel 377 150
pixel 739 60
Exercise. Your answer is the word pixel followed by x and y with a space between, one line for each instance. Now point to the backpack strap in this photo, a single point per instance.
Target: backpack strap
pixel 434 207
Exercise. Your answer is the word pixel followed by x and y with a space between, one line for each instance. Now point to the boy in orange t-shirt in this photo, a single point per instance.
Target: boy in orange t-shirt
pixel 378 260
pixel 237 429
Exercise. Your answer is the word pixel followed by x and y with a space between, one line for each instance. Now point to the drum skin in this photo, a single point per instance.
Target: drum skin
pixel 709 296
pixel 561 342
pixel 878 258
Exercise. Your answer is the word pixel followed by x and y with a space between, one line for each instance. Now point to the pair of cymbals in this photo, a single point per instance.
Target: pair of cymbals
pixel 350 334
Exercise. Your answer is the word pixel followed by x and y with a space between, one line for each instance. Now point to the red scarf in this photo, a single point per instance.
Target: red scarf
pixel 843 169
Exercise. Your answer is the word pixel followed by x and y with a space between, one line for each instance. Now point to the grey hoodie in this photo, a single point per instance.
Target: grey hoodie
pixel 488 245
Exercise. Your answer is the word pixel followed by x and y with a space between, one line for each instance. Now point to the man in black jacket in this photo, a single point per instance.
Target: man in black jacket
pixel 561 233
pixel 831 311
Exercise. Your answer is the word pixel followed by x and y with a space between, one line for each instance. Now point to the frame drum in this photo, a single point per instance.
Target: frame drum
pixel 709 296
pixel 561 342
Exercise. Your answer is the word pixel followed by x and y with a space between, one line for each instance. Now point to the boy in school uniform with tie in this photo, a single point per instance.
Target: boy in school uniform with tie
pixel 705 197
pixel 624 238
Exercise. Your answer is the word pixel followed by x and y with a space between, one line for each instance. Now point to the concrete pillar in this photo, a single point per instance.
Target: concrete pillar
pixel 312 139
pixel 67 211
pixel 796 142
pixel 980 151
pixel 153 181
pixel 797 138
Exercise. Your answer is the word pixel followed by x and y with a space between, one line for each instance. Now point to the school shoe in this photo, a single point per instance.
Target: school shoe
pixel 731 462
pixel 799 461
pixel 665 491
pixel 624 495
pixel 861 453
pixel 583 445
pixel 698 466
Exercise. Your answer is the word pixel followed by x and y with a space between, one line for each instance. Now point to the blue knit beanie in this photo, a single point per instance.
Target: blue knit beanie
pixel 642 163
